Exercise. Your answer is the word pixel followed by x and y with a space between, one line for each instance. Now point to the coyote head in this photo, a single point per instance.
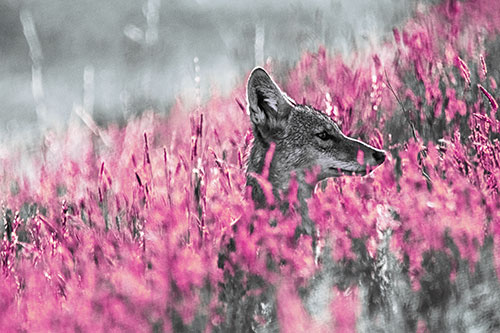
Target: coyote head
pixel 305 139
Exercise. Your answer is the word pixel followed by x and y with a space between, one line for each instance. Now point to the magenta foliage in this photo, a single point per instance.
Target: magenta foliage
pixel 125 230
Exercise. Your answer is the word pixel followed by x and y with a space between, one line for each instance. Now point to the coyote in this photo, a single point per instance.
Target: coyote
pixel 306 141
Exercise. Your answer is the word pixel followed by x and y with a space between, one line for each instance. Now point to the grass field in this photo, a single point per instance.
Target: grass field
pixel 149 227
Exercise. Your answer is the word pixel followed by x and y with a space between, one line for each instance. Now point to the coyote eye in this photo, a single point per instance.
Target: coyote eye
pixel 324 136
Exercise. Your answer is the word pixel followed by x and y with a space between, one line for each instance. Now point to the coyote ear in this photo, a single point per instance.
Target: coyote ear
pixel 267 104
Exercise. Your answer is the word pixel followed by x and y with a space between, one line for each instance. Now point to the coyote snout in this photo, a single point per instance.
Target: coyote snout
pixel 305 140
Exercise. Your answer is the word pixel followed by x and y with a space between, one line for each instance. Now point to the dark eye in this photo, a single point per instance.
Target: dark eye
pixel 324 136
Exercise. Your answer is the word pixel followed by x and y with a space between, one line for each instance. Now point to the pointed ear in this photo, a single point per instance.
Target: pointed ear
pixel 268 106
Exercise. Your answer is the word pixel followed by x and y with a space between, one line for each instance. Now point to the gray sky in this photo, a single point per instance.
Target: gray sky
pixel 116 57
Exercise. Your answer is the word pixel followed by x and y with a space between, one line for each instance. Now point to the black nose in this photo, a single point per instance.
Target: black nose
pixel 379 157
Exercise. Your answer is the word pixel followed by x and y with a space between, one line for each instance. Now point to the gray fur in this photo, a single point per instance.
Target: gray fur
pixel 294 129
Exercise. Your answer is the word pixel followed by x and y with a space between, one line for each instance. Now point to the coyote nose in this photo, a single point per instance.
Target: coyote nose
pixel 379 157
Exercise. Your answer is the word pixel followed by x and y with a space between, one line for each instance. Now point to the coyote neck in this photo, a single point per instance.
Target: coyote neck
pixel 280 180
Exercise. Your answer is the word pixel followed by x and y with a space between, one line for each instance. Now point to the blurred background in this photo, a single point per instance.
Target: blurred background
pixel 113 59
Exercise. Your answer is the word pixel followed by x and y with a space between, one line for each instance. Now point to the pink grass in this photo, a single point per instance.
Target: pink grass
pixel 125 229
